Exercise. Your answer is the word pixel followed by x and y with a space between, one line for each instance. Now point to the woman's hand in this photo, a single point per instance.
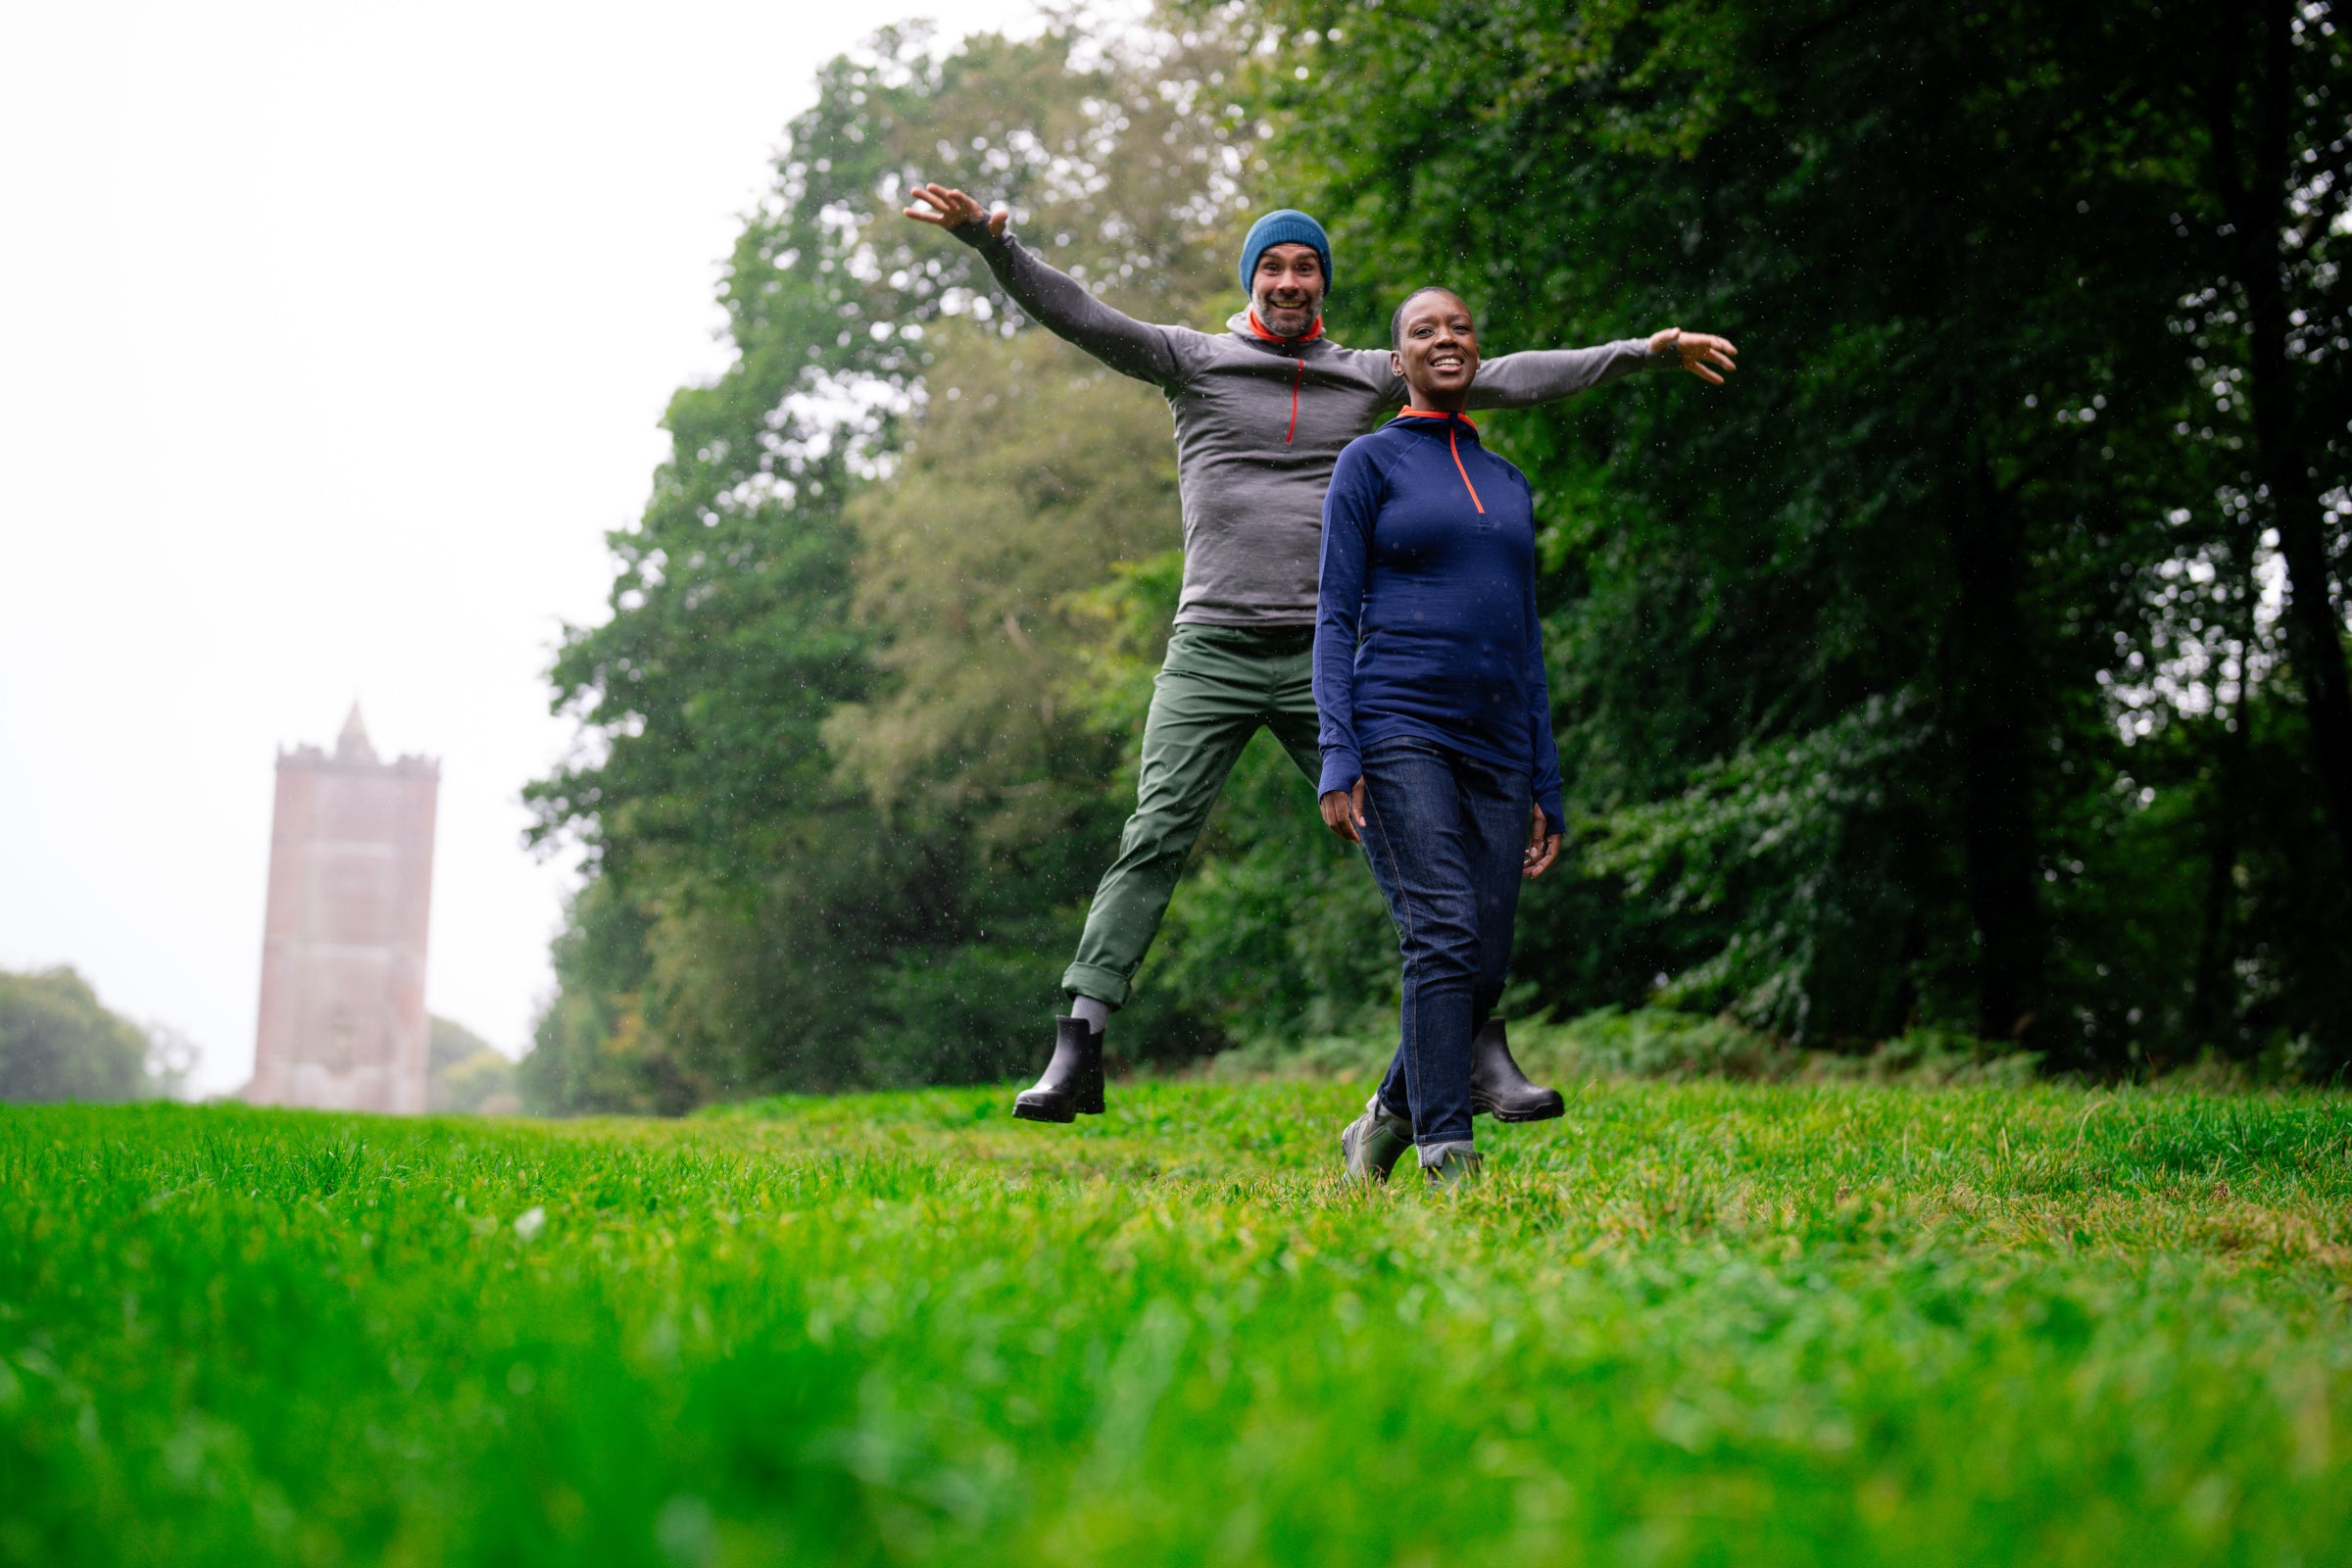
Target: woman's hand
pixel 953 209
pixel 1542 848
pixel 1700 353
pixel 1344 811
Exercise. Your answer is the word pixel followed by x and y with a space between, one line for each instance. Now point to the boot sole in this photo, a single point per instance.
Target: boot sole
pixel 1558 1107
pixel 1029 1110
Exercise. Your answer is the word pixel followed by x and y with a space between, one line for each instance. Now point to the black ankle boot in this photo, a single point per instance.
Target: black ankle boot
pixel 1072 1085
pixel 1498 1089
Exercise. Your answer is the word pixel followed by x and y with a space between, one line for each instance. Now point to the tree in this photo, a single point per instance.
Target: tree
pixel 2280 173
pixel 58 1042
pixel 1033 475
pixel 1959 666
pixel 1852 662
pixel 755 916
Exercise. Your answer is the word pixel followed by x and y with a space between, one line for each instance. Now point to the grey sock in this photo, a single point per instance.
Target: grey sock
pixel 1095 1014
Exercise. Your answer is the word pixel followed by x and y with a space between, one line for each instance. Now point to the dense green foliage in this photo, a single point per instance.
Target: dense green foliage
pixel 1923 674
pixel 59 1042
pixel 1690 1324
pixel 847 776
pixel 1973 663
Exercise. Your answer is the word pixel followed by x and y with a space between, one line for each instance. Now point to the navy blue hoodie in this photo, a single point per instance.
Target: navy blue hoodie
pixel 1424 614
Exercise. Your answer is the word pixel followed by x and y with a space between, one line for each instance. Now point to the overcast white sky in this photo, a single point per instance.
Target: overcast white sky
pixel 332 340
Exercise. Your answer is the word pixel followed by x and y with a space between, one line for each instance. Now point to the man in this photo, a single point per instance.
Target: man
pixel 1263 411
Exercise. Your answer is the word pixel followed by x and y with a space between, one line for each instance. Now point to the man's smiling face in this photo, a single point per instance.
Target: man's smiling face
pixel 1287 291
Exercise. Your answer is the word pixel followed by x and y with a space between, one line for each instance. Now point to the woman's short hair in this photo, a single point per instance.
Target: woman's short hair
pixel 1397 321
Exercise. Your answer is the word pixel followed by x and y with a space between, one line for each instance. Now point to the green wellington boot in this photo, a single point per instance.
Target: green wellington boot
pixel 1459 1168
pixel 1498 1089
pixel 1374 1142
pixel 1072 1084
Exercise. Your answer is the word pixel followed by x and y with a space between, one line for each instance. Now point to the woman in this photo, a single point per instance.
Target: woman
pixel 1438 755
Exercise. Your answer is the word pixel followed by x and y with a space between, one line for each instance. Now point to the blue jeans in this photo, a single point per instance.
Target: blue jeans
pixel 1448 840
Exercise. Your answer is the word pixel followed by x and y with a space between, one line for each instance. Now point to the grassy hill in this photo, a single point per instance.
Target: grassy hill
pixel 1692 1323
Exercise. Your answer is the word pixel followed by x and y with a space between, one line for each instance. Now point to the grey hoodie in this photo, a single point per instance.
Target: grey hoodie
pixel 1259 424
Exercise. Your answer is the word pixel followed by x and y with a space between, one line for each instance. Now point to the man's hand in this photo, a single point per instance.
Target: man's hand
pixel 1700 353
pixel 1542 848
pixel 953 209
pixel 1344 811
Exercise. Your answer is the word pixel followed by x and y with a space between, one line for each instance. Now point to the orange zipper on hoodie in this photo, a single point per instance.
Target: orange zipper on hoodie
pixel 1298 375
pixel 1453 445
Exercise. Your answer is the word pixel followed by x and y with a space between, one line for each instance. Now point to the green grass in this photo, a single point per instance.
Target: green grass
pixel 1692 1323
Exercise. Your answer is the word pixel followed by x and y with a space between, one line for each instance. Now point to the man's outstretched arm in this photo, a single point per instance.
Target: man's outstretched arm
pixel 1538 375
pixel 1063 303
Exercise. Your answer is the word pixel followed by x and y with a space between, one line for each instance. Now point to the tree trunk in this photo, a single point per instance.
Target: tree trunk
pixel 2256 201
pixel 1994 692
pixel 2213 997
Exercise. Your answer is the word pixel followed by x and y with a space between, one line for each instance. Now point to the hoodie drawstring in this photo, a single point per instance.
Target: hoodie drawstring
pixel 1299 376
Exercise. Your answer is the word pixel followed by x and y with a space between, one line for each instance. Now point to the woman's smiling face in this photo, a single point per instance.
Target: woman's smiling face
pixel 1436 349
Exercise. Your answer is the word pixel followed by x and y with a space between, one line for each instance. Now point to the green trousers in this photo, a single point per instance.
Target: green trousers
pixel 1218 685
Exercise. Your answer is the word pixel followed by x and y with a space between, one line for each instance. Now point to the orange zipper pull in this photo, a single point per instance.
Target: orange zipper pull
pixel 1455 448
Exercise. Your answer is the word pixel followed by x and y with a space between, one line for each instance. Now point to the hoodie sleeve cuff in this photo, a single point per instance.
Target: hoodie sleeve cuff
pixel 1340 770
pixel 976 234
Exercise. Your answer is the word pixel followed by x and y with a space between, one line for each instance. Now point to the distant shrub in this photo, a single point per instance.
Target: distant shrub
pixel 1654 1043
pixel 1339 1057
pixel 56 1042
pixel 1934 1057
pixel 468 1075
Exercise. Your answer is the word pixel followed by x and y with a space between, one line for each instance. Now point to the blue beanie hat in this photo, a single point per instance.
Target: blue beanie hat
pixel 1285 226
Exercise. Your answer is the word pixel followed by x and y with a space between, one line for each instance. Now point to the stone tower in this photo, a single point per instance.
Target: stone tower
pixel 351 876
